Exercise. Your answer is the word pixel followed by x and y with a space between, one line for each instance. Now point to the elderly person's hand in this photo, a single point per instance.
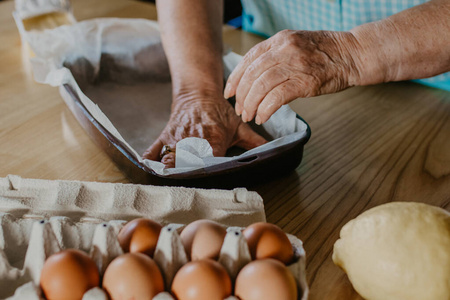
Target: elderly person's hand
pixel 289 65
pixel 211 118
pixel 191 35
pixel 412 44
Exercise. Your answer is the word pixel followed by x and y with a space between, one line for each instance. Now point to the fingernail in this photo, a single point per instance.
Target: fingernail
pixel 244 116
pixel 258 120
pixel 227 92
pixel 238 109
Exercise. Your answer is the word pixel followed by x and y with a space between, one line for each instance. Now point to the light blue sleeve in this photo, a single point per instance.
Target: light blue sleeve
pixel 357 12
pixel 441 81
pixel 267 17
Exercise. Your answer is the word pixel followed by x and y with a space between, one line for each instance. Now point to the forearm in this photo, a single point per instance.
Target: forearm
pixel 191 33
pixel 412 44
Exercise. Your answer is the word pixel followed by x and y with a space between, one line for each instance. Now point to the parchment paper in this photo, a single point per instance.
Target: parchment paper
pixel 30 8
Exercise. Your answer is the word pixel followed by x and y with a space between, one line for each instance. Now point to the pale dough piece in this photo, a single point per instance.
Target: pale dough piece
pixel 397 251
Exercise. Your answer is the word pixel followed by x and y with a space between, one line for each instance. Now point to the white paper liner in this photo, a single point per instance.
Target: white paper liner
pixel 31 8
pixel 124 39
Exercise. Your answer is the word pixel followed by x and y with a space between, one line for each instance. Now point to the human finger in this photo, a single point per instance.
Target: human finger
pixel 153 152
pixel 235 76
pixel 247 139
pixel 169 160
pixel 254 70
pixel 280 95
pixel 271 78
pixel 219 149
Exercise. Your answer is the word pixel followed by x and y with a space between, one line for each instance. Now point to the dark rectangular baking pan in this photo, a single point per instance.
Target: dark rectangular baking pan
pixel 244 172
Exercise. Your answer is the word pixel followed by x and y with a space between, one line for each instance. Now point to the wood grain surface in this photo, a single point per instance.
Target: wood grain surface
pixel 369 145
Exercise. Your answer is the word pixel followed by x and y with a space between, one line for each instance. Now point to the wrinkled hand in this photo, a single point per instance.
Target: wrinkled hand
pixel 289 65
pixel 211 118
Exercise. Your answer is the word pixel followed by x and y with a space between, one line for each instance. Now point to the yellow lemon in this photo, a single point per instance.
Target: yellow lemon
pixel 397 251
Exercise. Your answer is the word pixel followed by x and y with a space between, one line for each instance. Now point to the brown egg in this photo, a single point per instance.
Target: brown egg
pixel 266 279
pixel 203 239
pixel 133 276
pixel 202 280
pixel 68 275
pixel 267 240
pixel 140 235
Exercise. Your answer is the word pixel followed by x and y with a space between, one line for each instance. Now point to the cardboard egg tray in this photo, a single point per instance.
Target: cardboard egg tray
pixel 41 217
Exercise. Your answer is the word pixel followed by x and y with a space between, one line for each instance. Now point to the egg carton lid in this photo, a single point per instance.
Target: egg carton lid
pixel 82 201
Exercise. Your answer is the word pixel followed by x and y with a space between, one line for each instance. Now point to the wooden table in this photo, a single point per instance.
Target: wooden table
pixel 369 145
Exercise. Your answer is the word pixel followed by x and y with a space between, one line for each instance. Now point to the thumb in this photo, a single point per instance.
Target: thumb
pixel 154 150
pixel 247 139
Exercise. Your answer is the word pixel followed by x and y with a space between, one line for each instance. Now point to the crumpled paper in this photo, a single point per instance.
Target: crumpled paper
pixel 31 8
pixel 125 40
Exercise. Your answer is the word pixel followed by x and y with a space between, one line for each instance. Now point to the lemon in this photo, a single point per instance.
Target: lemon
pixel 397 251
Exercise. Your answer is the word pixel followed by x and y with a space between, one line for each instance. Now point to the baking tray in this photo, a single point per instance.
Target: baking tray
pixel 132 88
pixel 244 172
pixel 152 112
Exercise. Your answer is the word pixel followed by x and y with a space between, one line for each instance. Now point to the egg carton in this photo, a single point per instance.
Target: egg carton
pixel 99 201
pixel 48 236
pixel 41 217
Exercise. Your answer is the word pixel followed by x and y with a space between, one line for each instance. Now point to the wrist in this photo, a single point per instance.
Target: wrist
pixel 375 54
pixel 192 92
pixel 197 84
pixel 348 50
pixel 196 96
